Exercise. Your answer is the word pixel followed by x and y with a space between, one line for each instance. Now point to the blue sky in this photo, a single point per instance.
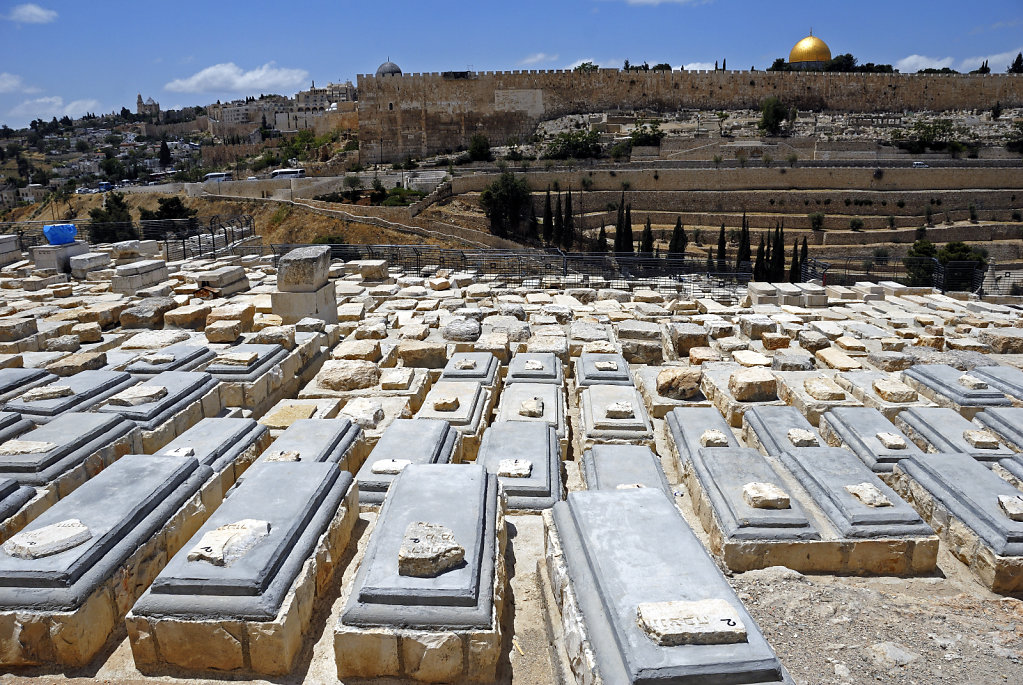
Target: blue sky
pixel 69 57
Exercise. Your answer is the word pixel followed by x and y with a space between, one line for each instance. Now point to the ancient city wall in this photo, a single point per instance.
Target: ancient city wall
pixel 420 114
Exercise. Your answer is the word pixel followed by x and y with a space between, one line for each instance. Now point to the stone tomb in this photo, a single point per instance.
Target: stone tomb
pixel 659 405
pixel 473 367
pixel 464 406
pixel 612 414
pixel 937 429
pixel 350 379
pixel 428 599
pixel 970 507
pixel 620 467
pixel 254 569
pixel 128 279
pixel 178 357
pixel 670 628
pixel 691 429
pixel 536 402
pixel 800 513
pixel 869 435
pixel 12 425
pixel 77 393
pixel 774 430
pixel 535 367
pixel 13 498
pixel 813 393
pixel 406 442
pixel 167 405
pixel 313 440
pixel 526 458
pixel 1006 423
pixel 70 576
pixel 1006 379
pixel 14 381
pixel 878 390
pixel 593 368
pixel 758 387
pixel 253 374
pixel 949 387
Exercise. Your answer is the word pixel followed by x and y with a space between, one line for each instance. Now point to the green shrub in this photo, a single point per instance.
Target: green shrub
pixel 816 221
pixel 856 224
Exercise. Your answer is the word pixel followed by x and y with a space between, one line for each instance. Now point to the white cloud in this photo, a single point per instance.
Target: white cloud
pixel 230 77
pixel 576 63
pixel 53 106
pixel 30 13
pixel 538 58
pixel 700 66
pixel 914 63
pixel 10 83
pixel 998 62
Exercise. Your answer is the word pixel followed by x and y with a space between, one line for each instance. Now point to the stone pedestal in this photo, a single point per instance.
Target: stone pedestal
pixel 292 306
pixel 58 256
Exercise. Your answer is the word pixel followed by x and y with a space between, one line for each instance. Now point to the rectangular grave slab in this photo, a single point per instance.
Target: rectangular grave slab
pixel 659 405
pixel 338 441
pixel 14 381
pixel 792 388
pixel 938 429
pixel 297 514
pixel 620 467
pixel 592 368
pixel 13 496
pixel 227 445
pixel 267 356
pixel 947 386
pixel 473 367
pixel 959 496
pixel 464 602
pixel 535 367
pixel 861 385
pixel 406 441
pixel 182 389
pixel 87 389
pixel 693 428
pixel 869 435
pixel 1005 422
pixel 536 402
pixel 827 473
pixel 178 357
pixel 526 458
pixel 613 414
pixel 12 425
pixel 715 386
pixel 466 406
pixel 79 595
pixel 595 542
pixel 402 381
pixel 1006 379
pixel 774 430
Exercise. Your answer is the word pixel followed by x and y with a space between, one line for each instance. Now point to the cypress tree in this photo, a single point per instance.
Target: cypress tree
pixel 744 256
pixel 620 225
pixel 721 250
pixel 646 241
pixel 804 254
pixel 602 240
pixel 758 266
pixel 673 244
pixel 559 222
pixel 548 218
pixel 568 225
pixel 778 256
pixel 710 261
pixel 627 244
pixel 534 226
pixel 794 268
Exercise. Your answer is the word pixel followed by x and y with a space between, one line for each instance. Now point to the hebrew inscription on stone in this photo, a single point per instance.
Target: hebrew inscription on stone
pixel 230 542
pixel 428 550
pixel 704 622
pixel 48 540
pixel 869 494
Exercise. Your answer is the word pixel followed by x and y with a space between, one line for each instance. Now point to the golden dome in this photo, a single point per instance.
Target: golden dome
pixel 810 49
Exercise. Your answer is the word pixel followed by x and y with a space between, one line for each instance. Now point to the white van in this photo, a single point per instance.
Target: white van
pixel 921 165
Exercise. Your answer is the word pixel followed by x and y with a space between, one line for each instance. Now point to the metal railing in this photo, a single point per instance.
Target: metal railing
pixel 958 276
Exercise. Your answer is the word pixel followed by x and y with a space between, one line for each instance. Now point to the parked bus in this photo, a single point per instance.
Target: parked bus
pixel 218 176
pixel 104 186
pixel 287 173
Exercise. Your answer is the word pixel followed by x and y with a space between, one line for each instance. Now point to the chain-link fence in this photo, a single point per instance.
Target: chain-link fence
pixel 926 272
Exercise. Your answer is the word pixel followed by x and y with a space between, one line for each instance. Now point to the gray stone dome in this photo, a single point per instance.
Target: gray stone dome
pixel 388 69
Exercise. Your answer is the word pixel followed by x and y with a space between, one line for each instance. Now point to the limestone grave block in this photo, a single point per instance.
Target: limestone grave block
pixel 775 341
pixel 595 604
pixel 861 385
pixel 959 496
pixel 777 429
pixel 942 384
pixel 58 257
pixel 285 336
pixel 528 367
pixel 64 343
pixel 12 329
pixel 225 281
pixel 601 369
pixel 337 441
pixel 227 445
pixel 749 358
pixel 1005 422
pixel 348 374
pixel 436 442
pixel 47 540
pixel 154 340
pixel 765 496
pixel 1003 340
pixel 463 405
pixel 823 388
pixel 423 354
pixel 79 595
pixel 87 389
pixel 473 367
pixel 613 467
pixel 526 458
pixel 1012 506
pixel 755 384
pixel 613 414
pixel 233 311
pixel 939 429
pixel 366 350
pixel 15 381
pixel 868 494
pixel 541 402
pixel 834 358
pixel 1007 379
pixel 812 341
pixel 893 391
pixel 282 567
pixel 78 362
pixel 702 355
pixel 467 601
pixel 223 331
pixel 685 336
pixel 148 313
pixel 753 326
pixel 427 550
pixel 869 434
pixel 177 357
pixel 167 405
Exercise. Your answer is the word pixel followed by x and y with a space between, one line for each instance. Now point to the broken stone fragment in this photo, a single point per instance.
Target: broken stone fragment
pixel 981 439
pixel 620 410
pixel 800 437
pixel 465 364
pixel 704 622
pixel 823 389
pixel 26 447
pixel 236 358
pixel 46 392
pixel 869 494
pixel 156 358
pixel 750 358
pixel 140 394
pixel 532 408
pixel 533 365
pixel 230 542
pixel 364 411
pixel 428 550
pixel 180 452
pixel 287 415
pixel 446 403
pixel 52 539
pixel 396 379
pixel 765 496
pixel 972 382
pixel 1011 506
pixel 284 455
pixel 891 441
pixel 514 468
pixel 894 391
pixel 606 366
pixel 389 466
pixel 679 382
pixel 713 438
